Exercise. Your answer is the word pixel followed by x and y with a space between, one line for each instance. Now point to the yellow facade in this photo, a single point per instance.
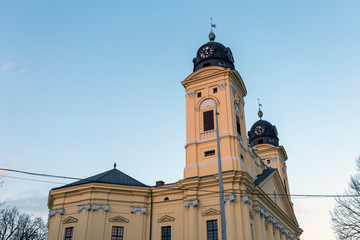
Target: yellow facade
pixel 256 203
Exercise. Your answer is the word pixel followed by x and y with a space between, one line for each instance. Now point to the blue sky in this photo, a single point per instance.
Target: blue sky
pixel 82 82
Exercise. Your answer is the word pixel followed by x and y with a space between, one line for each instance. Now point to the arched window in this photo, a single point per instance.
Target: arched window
pixel 208 116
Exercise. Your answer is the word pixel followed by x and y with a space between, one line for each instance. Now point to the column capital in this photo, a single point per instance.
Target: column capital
pixel 193 202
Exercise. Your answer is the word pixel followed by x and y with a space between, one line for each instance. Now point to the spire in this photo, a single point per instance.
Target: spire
pixel 260 113
pixel 212 34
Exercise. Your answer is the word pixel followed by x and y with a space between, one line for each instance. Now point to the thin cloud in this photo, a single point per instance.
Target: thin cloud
pixel 6 66
pixel 13 160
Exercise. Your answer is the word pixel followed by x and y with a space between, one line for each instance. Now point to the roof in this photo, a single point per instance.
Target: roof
pixel 264 175
pixel 112 176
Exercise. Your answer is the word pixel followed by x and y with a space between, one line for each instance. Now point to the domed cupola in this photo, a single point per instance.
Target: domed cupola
pixel 263 132
pixel 213 54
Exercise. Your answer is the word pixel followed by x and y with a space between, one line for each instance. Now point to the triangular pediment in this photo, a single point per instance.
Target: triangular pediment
pixel 210 212
pixel 273 184
pixel 70 220
pixel 119 219
pixel 166 218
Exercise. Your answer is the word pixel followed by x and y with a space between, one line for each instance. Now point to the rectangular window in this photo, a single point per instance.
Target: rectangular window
pixel 166 233
pixel 214 90
pixel 212 230
pixel 238 125
pixel 69 233
pixel 117 233
pixel 199 94
pixel 209 153
pixel 208 120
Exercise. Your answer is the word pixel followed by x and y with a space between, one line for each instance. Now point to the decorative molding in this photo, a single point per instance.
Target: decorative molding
pixel 103 207
pixel 141 210
pixel 86 207
pixel 243 102
pixel 207 103
pixel 222 85
pixel 70 220
pixel 229 198
pixel 59 211
pixel 232 88
pixel 166 218
pixel 212 162
pixel 237 108
pixel 191 94
pixel 211 211
pixel 251 215
pixel 188 203
pixel 119 219
pixel 271 220
pixel 246 199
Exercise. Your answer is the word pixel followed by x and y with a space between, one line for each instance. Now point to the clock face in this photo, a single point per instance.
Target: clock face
pixel 206 51
pixel 229 55
pixel 259 130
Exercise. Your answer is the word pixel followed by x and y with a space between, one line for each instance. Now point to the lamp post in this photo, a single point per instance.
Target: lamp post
pixel 221 187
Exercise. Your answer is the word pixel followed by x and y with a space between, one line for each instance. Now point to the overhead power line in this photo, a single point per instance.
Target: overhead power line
pixel 189 189
pixel 39 174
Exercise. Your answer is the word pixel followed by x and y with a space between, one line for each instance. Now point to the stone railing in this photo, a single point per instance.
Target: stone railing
pixel 208 135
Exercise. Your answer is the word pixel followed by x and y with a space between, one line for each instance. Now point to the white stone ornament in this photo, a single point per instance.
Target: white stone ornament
pixel 86 207
pixel 141 210
pixel 191 94
pixel 59 211
pixel 222 85
pixel 246 199
pixel 188 203
pixel 229 198
pixel 103 207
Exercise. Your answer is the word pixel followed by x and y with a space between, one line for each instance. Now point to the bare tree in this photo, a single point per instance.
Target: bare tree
pixel 20 226
pixel 346 213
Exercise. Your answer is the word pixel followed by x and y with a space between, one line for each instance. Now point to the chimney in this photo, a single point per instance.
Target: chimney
pixel 159 183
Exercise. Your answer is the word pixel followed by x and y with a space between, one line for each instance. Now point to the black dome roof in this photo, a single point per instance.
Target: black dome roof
pixel 213 54
pixel 263 132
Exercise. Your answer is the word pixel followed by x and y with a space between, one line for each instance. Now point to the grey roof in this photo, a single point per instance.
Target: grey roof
pixel 112 176
pixel 264 175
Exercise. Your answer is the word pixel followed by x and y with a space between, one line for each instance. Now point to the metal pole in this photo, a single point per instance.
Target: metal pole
pixel 221 187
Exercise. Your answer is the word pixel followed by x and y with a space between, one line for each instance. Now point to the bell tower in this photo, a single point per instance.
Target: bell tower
pixel 214 81
pixel 263 138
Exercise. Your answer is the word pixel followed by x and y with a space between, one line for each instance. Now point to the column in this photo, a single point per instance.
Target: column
pixel 230 217
pixel 192 218
pixel 83 219
pixel 139 227
pixel 245 218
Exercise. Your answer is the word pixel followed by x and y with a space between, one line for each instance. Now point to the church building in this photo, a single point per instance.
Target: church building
pixel 115 206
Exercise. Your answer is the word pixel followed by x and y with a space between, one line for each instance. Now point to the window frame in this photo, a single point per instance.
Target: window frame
pixel 69 237
pixel 168 234
pixel 208 120
pixel 212 234
pixel 119 235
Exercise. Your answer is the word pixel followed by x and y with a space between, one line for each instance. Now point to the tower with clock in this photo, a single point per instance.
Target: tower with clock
pixel 263 137
pixel 113 205
pixel 215 81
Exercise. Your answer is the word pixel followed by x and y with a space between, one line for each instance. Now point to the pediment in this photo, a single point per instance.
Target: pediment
pixel 70 220
pixel 166 218
pixel 210 212
pixel 119 219
pixel 273 184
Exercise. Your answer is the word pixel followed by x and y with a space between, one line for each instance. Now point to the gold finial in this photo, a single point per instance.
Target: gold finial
pixel 212 34
pixel 260 113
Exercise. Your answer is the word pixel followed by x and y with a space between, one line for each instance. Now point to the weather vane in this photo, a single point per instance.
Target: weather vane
pixel 260 113
pixel 212 34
